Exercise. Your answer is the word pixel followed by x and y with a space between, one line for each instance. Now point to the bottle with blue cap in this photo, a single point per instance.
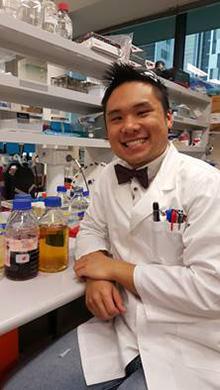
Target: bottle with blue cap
pixel 54 237
pixel 21 242
pixel 78 206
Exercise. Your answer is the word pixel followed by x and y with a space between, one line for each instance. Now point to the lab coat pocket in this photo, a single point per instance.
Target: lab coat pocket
pixel 167 243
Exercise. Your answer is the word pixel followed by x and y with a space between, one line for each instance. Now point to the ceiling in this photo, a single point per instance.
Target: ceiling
pixel 95 15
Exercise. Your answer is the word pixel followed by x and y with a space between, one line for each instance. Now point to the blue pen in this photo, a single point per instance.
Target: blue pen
pixel 168 215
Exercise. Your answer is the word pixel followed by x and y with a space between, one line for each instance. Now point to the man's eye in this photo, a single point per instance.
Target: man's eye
pixel 143 113
pixel 116 118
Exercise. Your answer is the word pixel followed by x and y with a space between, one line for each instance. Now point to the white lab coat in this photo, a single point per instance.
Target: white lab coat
pixel 177 276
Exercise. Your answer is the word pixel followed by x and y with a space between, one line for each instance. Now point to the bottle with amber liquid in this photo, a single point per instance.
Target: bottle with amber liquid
pixel 54 237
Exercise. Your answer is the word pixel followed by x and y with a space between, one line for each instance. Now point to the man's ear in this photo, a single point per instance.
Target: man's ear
pixel 169 119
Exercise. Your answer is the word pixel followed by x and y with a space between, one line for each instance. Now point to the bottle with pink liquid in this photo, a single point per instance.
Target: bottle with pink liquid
pixel 21 242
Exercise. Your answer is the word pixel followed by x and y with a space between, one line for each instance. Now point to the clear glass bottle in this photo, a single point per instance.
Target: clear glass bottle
pixel 49 16
pixel 54 237
pixel 30 11
pixel 10 7
pixel 21 242
pixel 62 193
pixel 64 26
pixel 77 209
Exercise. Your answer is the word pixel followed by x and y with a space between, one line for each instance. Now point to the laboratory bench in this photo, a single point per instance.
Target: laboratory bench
pixel 36 311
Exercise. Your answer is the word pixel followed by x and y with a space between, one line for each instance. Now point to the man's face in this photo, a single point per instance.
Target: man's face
pixel 137 126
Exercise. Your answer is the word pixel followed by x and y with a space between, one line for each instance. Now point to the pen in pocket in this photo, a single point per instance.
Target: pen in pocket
pixel 156 212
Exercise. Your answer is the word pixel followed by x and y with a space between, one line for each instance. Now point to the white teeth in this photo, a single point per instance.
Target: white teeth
pixel 136 142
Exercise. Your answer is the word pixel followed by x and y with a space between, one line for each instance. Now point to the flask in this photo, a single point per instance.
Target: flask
pixel 30 12
pixel 54 235
pixel 10 7
pixel 62 193
pixel 64 26
pixel 49 16
pixel 21 242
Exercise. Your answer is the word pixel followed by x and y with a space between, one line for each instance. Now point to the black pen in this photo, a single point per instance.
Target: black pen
pixel 156 212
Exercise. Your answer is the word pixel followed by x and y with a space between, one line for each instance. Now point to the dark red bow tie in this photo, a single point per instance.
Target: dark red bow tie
pixel 125 174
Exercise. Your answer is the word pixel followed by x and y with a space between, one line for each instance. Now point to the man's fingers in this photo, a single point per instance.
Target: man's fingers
pixel 118 300
pixel 97 308
pixel 110 306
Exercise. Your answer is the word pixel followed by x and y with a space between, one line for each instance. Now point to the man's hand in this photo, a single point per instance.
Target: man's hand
pixel 103 299
pixel 95 265
pixel 98 266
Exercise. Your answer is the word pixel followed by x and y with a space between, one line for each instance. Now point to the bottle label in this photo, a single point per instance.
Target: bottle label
pixel 21 251
pixel 22 258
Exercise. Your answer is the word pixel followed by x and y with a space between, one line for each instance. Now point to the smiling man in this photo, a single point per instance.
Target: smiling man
pixel 148 252
pixel 154 277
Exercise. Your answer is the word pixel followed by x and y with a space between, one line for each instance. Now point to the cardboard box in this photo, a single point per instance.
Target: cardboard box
pixel 215 104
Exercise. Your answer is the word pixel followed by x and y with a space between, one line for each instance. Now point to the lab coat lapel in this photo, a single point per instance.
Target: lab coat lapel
pixel 163 183
pixel 123 198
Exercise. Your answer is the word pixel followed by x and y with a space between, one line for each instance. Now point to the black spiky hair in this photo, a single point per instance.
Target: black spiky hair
pixel 120 73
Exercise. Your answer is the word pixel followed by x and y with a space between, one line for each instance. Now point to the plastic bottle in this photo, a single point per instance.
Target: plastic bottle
pixel 64 26
pixel 10 7
pixel 77 210
pixel 62 193
pixel 22 242
pixel 54 237
pixel 49 16
pixel 30 11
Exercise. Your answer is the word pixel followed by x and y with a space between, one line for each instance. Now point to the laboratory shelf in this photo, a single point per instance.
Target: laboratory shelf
pixel 15 90
pixel 192 150
pixel 176 89
pixel 10 135
pixel 31 41
pixel 180 121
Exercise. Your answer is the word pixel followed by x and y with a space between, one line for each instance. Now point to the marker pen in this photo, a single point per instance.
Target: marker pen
pixel 156 212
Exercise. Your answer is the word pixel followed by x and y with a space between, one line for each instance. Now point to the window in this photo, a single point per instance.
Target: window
pixel 202 45
pixel 156 38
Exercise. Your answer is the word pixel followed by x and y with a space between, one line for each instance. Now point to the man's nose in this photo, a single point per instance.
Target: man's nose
pixel 130 124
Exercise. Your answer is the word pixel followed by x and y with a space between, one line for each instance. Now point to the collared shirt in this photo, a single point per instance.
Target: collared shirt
pixel 137 191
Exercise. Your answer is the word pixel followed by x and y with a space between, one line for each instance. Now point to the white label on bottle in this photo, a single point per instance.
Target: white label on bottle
pixel 22 258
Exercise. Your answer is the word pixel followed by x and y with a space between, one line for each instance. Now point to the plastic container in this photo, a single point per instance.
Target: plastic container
pixel 22 242
pixel 54 237
pixel 30 11
pixel 10 7
pixel 64 26
pixel 49 16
